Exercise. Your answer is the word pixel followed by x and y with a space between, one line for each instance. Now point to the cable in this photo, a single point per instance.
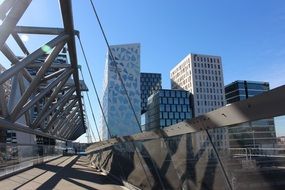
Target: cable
pixel 89 137
pixel 93 134
pixel 219 159
pixel 95 89
pixel 88 134
pixel 91 109
pixel 119 74
pixel 120 77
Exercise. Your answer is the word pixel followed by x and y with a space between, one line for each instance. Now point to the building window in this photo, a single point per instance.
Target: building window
pixel 184 108
pixel 187 101
pixel 179 108
pixel 173 108
pixel 175 101
pixel 165 115
pixel 176 114
pixel 168 122
pixel 162 122
pixel 170 100
pixel 167 107
pixel 188 115
pixel 167 94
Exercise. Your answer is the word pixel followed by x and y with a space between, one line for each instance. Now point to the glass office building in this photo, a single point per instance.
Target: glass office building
pixel 119 115
pixel 256 134
pixel 167 107
pixel 150 83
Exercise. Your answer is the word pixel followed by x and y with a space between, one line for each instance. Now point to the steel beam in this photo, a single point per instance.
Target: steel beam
pixel 50 100
pixel 55 116
pixel 20 43
pixel 5 6
pixel 10 21
pixel 73 129
pixel 58 104
pixel 53 75
pixel 37 80
pixel 62 123
pixel 58 115
pixel 42 93
pixel 38 30
pixel 67 129
pixel 22 90
pixel 54 65
pixel 14 60
pixel 29 59
pixel 67 16
pixel 41 30
pixel 73 135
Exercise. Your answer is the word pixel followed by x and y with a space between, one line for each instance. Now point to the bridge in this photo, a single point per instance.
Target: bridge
pixel 41 99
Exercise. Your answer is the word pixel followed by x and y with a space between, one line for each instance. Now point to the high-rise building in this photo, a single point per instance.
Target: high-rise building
pixel 150 83
pixel 6 85
pixel 119 115
pixel 167 107
pixel 255 134
pixel 6 136
pixel 202 75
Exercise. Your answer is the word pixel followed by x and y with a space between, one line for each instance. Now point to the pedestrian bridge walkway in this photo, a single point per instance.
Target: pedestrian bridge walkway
pixel 66 172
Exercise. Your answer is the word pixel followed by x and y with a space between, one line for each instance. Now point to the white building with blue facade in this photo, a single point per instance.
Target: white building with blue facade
pixel 119 115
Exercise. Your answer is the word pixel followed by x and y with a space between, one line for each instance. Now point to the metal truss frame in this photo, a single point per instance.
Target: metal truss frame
pixel 55 90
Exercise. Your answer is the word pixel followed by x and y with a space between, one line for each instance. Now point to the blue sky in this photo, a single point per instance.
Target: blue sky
pixel 249 35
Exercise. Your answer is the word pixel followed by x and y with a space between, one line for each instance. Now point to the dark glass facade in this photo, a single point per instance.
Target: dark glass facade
pixel 167 107
pixel 254 134
pixel 60 59
pixel 241 90
pixel 150 83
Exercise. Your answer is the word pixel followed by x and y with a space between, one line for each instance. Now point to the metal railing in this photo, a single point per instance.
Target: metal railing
pixel 189 155
pixel 15 157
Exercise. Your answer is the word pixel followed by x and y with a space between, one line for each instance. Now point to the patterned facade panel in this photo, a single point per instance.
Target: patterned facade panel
pixel 119 115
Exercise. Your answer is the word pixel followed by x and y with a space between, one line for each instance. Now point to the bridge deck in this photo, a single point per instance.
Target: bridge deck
pixel 68 172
